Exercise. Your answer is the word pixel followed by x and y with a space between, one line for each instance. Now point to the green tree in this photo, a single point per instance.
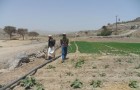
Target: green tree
pixel 22 32
pixel 33 34
pixel 105 31
pixel 10 30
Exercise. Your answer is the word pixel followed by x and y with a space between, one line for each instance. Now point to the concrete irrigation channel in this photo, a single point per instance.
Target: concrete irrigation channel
pixel 30 72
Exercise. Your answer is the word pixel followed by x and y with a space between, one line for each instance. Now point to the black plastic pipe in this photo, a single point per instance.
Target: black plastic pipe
pixel 40 66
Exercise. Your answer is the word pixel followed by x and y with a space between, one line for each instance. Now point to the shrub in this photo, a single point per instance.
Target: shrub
pixel 39 87
pixel 118 60
pixel 1 86
pixel 69 74
pixel 105 31
pixel 106 66
pixel 133 84
pixel 138 74
pixel 94 67
pixel 79 63
pixel 51 67
pixel 103 74
pixel 96 84
pixel 77 84
pixel 129 61
pixel 138 67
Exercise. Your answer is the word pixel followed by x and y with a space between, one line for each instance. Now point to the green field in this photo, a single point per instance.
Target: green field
pixel 106 47
pixel 72 47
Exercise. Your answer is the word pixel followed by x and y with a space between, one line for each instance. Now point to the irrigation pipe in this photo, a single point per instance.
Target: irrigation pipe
pixel 40 66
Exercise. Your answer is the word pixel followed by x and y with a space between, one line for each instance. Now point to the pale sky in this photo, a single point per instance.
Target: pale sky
pixel 57 16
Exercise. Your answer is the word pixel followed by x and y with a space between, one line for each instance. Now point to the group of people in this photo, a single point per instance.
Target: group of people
pixel 64 47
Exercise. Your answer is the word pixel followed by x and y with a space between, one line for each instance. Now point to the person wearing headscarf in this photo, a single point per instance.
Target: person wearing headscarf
pixel 51 47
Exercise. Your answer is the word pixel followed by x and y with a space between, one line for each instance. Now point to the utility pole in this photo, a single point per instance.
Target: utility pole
pixel 116 24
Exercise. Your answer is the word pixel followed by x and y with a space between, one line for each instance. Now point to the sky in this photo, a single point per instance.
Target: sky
pixel 58 16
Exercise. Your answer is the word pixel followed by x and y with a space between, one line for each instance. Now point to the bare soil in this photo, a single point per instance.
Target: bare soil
pixel 114 71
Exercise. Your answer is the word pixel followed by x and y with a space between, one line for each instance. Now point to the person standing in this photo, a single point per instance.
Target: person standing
pixel 64 45
pixel 51 47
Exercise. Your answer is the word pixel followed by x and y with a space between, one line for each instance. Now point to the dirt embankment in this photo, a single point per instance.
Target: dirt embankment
pixel 10 50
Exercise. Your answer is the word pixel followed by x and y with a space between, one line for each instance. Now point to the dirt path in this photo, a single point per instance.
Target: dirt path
pixel 77 49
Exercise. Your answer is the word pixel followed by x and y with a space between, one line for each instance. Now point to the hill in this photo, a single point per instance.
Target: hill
pixel 126 28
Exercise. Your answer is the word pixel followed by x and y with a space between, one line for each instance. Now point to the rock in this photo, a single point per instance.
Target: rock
pixel 18 60
pixel 25 60
pixel 32 55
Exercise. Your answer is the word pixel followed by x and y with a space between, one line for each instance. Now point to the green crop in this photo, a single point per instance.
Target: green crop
pixel 1 86
pixel 39 87
pixel 138 67
pixel 79 63
pixel 76 84
pixel 72 47
pixel 133 84
pixel 108 47
pixel 95 83
pixel 51 67
pixel 30 82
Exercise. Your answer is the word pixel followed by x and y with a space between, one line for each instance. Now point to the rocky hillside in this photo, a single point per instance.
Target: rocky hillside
pixel 122 28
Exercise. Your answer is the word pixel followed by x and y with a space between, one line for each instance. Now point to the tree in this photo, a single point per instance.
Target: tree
pixel 105 31
pixel 33 34
pixel 86 32
pixel 10 30
pixel 22 32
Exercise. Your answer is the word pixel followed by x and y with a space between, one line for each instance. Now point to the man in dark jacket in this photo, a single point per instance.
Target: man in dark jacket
pixel 51 47
pixel 64 45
